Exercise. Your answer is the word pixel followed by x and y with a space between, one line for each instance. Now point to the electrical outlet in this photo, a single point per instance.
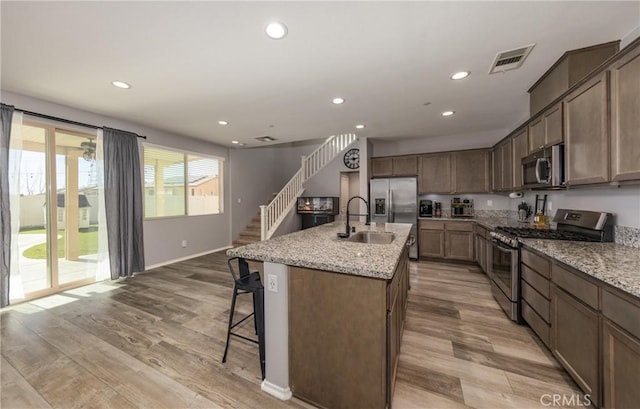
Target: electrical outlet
pixel 489 202
pixel 184 243
pixel 272 283
pixel 239 200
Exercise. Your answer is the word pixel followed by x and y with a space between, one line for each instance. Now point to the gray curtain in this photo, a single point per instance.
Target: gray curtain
pixel 6 113
pixel 123 200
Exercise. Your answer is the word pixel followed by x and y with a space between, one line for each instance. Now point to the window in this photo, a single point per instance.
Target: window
pixel 170 174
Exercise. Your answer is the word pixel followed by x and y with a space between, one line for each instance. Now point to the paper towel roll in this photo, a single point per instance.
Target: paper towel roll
pixel 515 195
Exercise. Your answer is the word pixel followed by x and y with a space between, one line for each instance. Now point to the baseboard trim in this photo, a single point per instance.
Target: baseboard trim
pixel 204 253
pixel 275 390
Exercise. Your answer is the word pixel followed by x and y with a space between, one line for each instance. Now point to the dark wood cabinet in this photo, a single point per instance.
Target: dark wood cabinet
pixel 471 171
pixel 587 132
pixel 575 340
pixel 546 129
pixel 502 156
pixel 448 240
pixel 435 173
pixel 459 245
pixel 625 117
pixel 573 66
pixel 394 166
pixel 535 271
pixel 381 167
pixel 520 142
pixel 483 248
pixel 343 350
pixel 431 242
pixel 621 367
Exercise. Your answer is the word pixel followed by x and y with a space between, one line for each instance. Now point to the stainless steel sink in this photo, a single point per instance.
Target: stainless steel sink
pixel 372 237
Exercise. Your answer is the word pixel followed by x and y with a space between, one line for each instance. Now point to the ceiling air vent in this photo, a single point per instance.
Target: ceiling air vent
pixel 265 139
pixel 510 60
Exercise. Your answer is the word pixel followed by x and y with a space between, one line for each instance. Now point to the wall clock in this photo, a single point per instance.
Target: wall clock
pixel 352 158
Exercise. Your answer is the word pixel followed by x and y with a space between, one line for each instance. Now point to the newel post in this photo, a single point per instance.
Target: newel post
pixel 263 222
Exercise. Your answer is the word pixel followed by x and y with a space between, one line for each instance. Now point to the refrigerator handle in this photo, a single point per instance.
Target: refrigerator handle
pixel 392 216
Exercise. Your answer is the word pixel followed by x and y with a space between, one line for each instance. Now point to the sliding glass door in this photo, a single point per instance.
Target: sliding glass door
pixel 58 239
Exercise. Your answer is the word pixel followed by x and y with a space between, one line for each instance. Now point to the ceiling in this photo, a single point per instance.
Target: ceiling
pixel 191 64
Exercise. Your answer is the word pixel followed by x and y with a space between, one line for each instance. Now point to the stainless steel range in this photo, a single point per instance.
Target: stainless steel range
pixel 504 271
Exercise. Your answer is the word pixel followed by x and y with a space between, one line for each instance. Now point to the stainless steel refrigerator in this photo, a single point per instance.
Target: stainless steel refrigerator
pixel 395 200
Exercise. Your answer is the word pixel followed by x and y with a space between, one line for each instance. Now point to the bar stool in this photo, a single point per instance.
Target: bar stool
pixel 247 283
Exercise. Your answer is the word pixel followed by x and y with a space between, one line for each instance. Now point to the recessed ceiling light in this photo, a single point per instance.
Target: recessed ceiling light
pixel 338 101
pixel 361 126
pixel 448 113
pixel 223 123
pixel 276 30
pixel 236 142
pixel 120 84
pixel 460 75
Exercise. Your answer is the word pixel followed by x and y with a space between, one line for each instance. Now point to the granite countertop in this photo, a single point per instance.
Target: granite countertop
pixel 611 263
pixel 487 222
pixel 320 248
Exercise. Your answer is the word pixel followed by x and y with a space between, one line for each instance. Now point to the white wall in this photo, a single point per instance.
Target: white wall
pixel 162 237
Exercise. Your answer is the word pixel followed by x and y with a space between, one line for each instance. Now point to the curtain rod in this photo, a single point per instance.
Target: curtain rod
pixel 67 121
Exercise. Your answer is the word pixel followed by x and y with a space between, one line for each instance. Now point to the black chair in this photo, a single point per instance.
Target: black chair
pixel 247 283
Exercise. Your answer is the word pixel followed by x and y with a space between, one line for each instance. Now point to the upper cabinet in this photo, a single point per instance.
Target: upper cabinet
pixel 587 132
pixel 471 171
pixel 520 143
pixel 454 172
pixel 546 129
pixel 625 117
pixel 572 67
pixel 394 166
pixel 435 173
pixel 502 166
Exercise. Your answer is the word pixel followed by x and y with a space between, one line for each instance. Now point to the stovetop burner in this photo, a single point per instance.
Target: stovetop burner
pixel 530 233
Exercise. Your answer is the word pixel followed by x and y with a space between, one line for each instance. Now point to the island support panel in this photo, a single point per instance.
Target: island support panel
pixel 337 339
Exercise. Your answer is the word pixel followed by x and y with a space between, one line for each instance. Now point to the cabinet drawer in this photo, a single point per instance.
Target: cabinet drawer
pixel 536 301
pixel 622 312
pixel 535 280
pixel 459 226
pixel 538 263
pixel 431 225
pixel 575 285
pixel 536 323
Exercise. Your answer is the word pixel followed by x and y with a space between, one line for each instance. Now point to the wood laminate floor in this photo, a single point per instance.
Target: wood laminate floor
pixel 156 341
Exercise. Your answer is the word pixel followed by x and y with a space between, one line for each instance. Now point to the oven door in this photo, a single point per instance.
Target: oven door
pixel 504 269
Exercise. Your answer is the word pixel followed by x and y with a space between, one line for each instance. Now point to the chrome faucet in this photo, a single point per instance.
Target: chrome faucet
pixel 368 219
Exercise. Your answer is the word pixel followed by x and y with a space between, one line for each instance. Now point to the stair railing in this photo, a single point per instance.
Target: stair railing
pixel 272 214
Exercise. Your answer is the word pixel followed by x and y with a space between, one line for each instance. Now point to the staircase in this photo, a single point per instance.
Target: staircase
pixel 250 234
pixel 272 214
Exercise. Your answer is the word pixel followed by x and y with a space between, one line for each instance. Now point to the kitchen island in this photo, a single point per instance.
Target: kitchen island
pixel 333 327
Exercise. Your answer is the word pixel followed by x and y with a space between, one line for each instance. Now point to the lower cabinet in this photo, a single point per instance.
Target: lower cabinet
pixel 575 340
pixel 621 361
pixel 591 328
pixel 535 271
pixel 483 248
pixel 447 240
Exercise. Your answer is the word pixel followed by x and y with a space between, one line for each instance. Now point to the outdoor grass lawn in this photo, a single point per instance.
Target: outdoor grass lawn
pixel 88 244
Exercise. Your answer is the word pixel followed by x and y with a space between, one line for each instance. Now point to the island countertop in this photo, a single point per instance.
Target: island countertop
pixel 320 248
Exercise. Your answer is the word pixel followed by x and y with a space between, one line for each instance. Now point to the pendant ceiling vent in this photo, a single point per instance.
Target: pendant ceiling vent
pixel 510 59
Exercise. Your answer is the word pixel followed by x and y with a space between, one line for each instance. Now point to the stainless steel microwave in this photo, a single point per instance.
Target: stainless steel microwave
pixel 544 169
